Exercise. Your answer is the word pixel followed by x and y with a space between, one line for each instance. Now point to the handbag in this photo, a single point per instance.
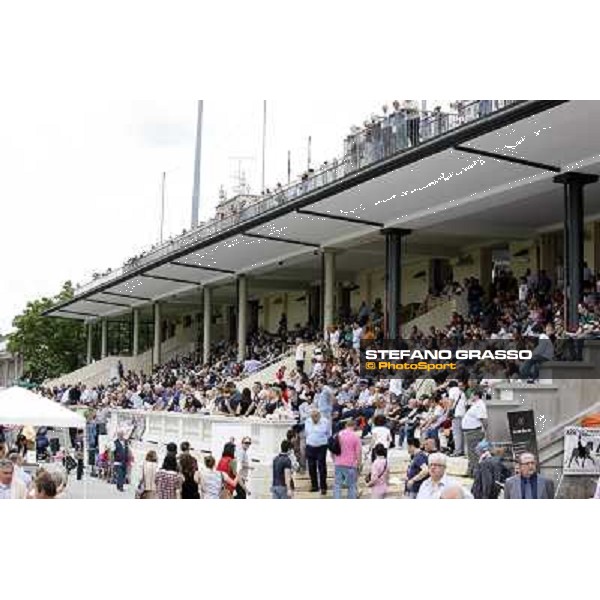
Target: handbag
pixel 141 488
pixel 225 493
pixel 368 475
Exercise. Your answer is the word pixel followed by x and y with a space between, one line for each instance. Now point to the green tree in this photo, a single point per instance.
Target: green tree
pixel 50 346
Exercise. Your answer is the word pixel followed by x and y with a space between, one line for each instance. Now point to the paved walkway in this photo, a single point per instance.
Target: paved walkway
pixel 95 489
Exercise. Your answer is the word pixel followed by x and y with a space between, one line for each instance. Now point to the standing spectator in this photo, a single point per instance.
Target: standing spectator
pixel 244 469
pixel 228 466
pixel 212 483
pixel 413 121
pixel 356 336
pixel 433 487
pixel 149 468
pixel 19 471
pixel 45 488
pixel 474 424
pixel 317 432
pixel 325 400
pixel 528 485
pixel 417 469
pixel 348 462
pixel 379 476
pixel 363 314
pixel 189 470
pixel 11 487
pixel 121 458
pixel 186 451
pixel 168 479
pixel 282 474
pixel 489 473
pixel 300 355
pixel 380 435
pixel 456 394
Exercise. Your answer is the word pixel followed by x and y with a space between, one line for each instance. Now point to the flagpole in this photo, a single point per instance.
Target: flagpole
pixel 162 209
pixel 309 149
pixel 264 143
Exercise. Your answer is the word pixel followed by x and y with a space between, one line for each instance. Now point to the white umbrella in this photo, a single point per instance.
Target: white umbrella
pixel 19 406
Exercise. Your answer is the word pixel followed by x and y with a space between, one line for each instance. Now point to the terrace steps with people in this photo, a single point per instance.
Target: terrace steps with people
pixel 102 371
pixel 438 316
pixel 398 461
pixel 266 374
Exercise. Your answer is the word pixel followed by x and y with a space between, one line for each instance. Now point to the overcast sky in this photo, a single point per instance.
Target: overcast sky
pixel 82 177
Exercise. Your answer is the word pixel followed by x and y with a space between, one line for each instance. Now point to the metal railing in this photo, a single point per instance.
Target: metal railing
pixel 381 139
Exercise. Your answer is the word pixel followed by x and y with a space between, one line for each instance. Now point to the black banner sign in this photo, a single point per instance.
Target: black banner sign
pixel 521 425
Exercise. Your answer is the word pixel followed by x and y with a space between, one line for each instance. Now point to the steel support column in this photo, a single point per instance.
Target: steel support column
pixel 207 322
pixel 157 335
pixel 89 343
pixel 136 332
pixel 328 289
pixel 242 317
pixel 573 249
pixel 104 344
pixel 393 279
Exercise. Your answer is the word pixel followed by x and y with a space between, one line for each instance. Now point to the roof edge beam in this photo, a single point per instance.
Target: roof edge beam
pixel 162 278
pixel 119 304
pixel 74 312
pixel 276 239
pixel 202 268
pixel 510 159
pixel 117 295
pixel 314 213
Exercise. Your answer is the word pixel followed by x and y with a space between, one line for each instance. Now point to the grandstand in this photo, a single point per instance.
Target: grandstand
pixel 511 187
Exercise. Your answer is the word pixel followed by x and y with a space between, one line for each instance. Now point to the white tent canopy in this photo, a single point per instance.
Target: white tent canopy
pixel 19 406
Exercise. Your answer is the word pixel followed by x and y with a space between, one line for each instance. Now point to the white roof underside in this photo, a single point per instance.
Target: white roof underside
pixel 464 189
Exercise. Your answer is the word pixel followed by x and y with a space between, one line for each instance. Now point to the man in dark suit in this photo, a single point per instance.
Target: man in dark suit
pixel 121 457
pixel 528 485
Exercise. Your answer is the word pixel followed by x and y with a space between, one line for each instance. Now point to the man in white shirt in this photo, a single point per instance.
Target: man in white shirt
pixel 11 487
pixel 458 401
pixel 300 355
pixel 395 390
pixel 19 472
pixel 356 336
pixel 474 424
pixel 438 481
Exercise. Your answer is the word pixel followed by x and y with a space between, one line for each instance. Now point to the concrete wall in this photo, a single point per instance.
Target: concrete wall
pixel 520 264
pixel 462 271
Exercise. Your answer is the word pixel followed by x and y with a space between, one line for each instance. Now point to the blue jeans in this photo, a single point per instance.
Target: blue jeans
pixel 121 471
pixel 280 492
pixel 530 369
pixel 347 476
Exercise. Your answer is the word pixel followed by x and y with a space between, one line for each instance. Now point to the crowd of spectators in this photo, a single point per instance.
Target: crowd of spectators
pixel 324 392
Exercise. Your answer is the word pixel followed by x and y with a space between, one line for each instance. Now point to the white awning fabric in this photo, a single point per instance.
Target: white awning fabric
pixel 19 406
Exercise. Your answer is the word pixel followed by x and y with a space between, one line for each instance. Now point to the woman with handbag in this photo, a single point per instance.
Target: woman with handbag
pixel 213 483
pixel 147 487
pixel 189 467
pixel 377 479
pixel 168 479
pixel 228 466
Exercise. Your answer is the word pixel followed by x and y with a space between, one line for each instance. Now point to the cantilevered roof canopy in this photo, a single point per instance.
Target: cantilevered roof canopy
pixel 508 157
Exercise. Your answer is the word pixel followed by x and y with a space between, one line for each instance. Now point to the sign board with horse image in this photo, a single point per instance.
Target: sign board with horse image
pixel 582 451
